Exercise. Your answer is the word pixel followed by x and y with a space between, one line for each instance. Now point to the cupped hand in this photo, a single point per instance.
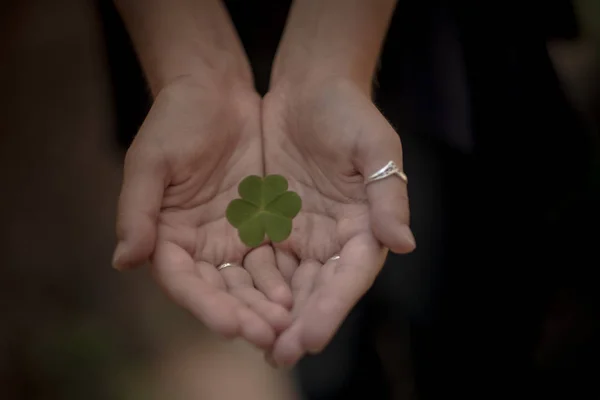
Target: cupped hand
pixel 325 138
pixel 182 170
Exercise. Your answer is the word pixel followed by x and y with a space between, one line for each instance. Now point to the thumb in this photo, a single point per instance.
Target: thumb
pixel 388 197
pixel 144 181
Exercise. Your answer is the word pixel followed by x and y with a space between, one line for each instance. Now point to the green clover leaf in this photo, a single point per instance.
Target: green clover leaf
pixel 265 207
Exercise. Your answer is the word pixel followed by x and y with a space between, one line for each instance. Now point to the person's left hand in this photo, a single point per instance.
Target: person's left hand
pixel 325 137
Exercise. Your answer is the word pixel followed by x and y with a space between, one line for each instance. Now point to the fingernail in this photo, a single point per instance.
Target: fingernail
pixel 407 235
pixel 117 257
pixel 314 350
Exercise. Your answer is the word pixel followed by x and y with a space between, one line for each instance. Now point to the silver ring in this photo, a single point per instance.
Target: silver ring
pixel 224 265
pixel 390 169
pixel 336 257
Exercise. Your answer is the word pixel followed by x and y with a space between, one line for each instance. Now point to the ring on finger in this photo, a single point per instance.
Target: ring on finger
pixel 390 169
pixel 225 265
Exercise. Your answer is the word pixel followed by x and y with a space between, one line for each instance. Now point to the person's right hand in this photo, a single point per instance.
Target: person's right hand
pixel 182 170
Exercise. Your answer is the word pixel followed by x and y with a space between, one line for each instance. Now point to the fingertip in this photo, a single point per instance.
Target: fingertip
pixel 123 259
pixel 136 242
pixel 316 338
pixel 404 241
pixel 228 328
pixel 316 341
pixel 288 349
pixel 117 259
pixel 228 333
pixel 282 295
pixel 261 264
pixel 281 320
pixel 327 312
pixel 397 237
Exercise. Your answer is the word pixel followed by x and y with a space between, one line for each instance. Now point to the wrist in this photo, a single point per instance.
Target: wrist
pixel 179 38
pixel 308 74
pixel 218 70
pixel 305 79
pixel 191 89
pixel 332 39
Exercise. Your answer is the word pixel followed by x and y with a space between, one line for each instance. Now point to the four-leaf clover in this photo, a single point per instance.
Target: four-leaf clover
pixel 265 207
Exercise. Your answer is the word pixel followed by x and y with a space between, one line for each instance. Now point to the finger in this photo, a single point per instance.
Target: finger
pixel 274 314
pixel 144 181
pixel 221 312
pixel 173 268
pixel 239 284
pixel 360 261
pixel 262 267
pixel 388 197
pixel 288 349
pixel 287 264
pixel 210 275
pixel 254 329
pixel 303 282
pixel 326 272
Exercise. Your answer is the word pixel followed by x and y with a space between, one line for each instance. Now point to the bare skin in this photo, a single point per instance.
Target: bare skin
pixel 208 129
pixel 325 139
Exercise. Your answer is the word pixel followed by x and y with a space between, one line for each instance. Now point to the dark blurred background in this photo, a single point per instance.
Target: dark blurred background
pixel 498 109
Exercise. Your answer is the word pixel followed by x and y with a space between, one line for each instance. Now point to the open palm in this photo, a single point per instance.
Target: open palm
pixel 181 172
pixel 325 139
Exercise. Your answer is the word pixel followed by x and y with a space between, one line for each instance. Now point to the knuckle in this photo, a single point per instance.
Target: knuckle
pixel 143 160
pixel 138 154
